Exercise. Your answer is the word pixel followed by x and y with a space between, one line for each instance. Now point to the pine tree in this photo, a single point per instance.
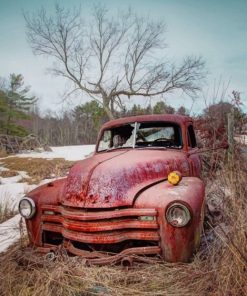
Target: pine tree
pixel 161 108
pixel 15 103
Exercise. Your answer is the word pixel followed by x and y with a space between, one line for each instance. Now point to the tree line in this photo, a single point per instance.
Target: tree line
pixel 20 117
pixel 81 125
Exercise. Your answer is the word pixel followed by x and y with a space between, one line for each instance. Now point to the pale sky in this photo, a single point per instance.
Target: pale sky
pixel 213 29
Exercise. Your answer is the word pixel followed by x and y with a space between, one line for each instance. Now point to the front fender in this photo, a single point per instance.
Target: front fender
pixel 49 193
pixel 177 244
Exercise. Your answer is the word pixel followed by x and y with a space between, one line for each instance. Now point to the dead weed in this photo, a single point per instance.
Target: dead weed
pixel 70 276
pixel 7 210
pixel 8 174
pixel 3 153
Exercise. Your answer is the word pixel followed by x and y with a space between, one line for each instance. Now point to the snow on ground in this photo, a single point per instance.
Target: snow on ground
pixel 11 191
pixel 10 232
pixel 11 180
pixel 67 152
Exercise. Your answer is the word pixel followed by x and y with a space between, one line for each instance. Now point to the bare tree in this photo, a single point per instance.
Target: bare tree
pixel 110 58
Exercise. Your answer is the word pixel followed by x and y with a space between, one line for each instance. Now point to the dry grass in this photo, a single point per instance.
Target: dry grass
pixel 38 168
pixel 8 174
pixel 219 268
pixel 231 231
pixel 7 210
pixel 3 153
pixel 72 277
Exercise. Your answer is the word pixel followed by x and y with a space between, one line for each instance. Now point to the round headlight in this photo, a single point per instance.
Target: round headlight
pixel 178 215
pixel 27 207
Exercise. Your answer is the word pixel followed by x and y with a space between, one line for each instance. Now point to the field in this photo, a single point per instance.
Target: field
pixel 219 267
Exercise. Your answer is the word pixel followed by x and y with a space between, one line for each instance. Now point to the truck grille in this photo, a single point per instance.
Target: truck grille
pixel 111 231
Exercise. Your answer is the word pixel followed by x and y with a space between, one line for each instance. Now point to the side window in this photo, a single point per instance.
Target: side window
pixel 191 137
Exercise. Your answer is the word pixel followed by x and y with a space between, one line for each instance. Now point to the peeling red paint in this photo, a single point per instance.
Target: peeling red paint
pixel 118 184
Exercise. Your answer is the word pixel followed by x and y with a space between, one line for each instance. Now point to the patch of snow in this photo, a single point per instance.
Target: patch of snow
pixel 12 192
pixel 10 232
pixel 10 180
pixel 23 174
pixel 72 153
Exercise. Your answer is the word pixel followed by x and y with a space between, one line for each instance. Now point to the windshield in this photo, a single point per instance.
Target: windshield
pixel 141 135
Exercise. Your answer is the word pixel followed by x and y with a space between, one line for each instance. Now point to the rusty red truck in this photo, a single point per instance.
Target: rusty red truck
pixel 139 196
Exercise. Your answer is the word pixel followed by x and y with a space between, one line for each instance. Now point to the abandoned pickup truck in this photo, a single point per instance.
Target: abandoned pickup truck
pixel 139 196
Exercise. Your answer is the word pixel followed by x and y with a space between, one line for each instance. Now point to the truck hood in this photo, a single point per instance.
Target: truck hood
pixel 113 179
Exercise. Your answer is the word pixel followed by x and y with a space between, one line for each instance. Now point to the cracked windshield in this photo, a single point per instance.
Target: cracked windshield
pixel 154 134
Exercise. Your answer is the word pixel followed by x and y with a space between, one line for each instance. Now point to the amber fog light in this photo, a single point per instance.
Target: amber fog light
pixel 27 208
pixel 178 215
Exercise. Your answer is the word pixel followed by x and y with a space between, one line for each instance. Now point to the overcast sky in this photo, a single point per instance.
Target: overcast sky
pixel 214 29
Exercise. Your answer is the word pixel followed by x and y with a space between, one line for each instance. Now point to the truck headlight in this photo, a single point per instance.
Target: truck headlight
pixel 178 215
pixel 27 208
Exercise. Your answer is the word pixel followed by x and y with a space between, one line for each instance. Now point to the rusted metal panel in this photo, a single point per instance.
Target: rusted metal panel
pixel 107 185
pixel 178 244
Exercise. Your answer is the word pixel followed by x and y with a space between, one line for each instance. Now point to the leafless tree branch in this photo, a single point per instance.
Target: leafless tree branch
pixel 110 58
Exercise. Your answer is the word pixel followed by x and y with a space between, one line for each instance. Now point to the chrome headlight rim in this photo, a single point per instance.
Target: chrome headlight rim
pixel 186 210
pixel 32 207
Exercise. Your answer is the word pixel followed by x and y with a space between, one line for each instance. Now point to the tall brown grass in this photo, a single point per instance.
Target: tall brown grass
pixel 219 267
pixel 7 209
pixel 3 153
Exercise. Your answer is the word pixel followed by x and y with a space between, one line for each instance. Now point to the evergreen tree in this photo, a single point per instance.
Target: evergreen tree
pixel 162 108
pixel 15 102
pixel 3 108
pixel 88 118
